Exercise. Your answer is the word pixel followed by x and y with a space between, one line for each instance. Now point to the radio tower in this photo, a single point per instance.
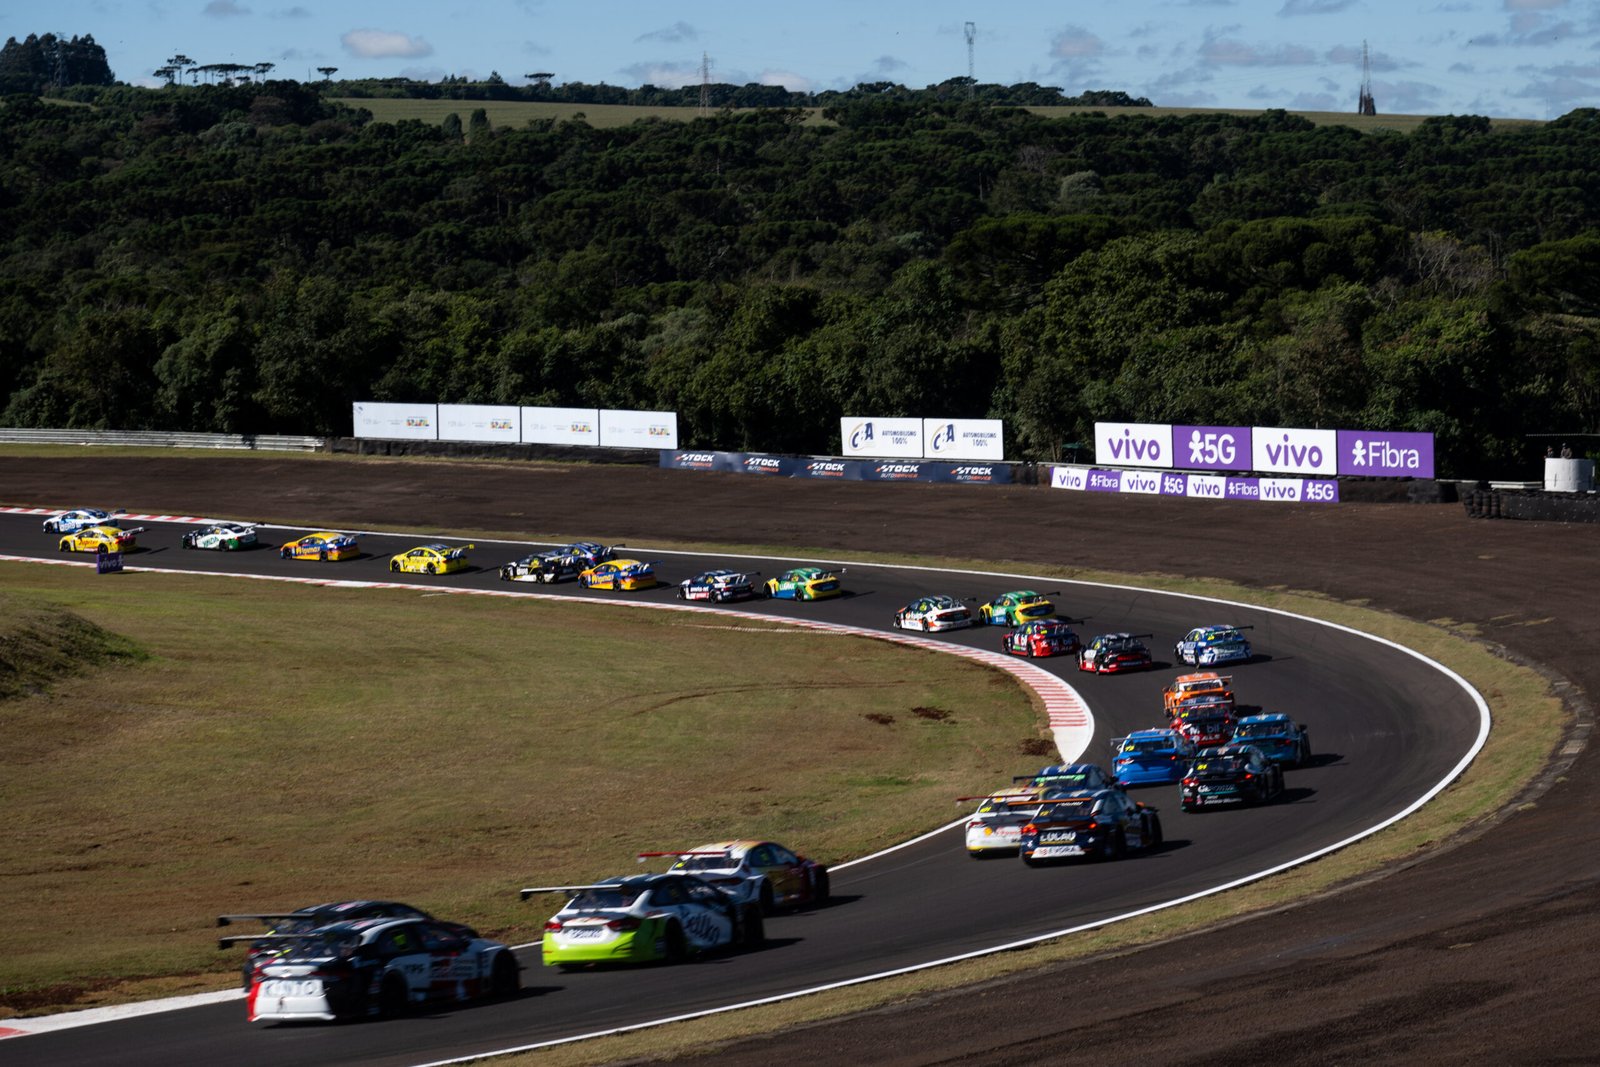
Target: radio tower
pixel 1367 106
pixel 971 30
pixel 705 84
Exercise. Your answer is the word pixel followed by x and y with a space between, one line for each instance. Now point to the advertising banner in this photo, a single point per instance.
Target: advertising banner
pixel 638 429
pixel 479 422
pixel 963 439
pixel 851 470
pixel 1242 488
pixel 694 461
pixel 1133 444
pixel 561 426
pixel 1205 487
pixel 1211 448
pixel 976 473
pixel 1076 478
pixel 1104 481
pixel 880 438
pixel 1278 450
pixel 1379 453
pixel 409 422
pixel 1174 484
pixel 1144 482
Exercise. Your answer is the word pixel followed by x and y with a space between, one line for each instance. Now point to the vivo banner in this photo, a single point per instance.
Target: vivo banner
pixel 561 426
pixel 476 422
pixel 1133 444
pixel 409 422
pixel 638 429
pixel 1284 451
pixel 881 437
pixel 1195 486
pixel 1378 453
pixel 963 439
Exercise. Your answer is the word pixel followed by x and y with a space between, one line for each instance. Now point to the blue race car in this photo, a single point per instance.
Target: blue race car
pixel 1280 738
pixel 1068 776
pixel 1212 646
pixel 1151 757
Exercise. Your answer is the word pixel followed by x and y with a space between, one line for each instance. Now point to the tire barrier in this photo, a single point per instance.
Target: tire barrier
pixel 1532 506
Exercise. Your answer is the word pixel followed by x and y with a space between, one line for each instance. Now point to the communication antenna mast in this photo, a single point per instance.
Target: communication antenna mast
pixel 1367 105
pixel 971 30
pixel 705 84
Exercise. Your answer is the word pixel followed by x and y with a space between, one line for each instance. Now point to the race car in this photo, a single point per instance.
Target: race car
pixel 1207 685
pixel 1210 646
pixel 100 539
pixel 1151 757
pixel 589 553
pixel 932 614
pixel 222 536
pixel 554 565
pixel 380 967
pixel 63 522
pixel 437 558
pixel 719 586
pixel 1016 608
pixel 995 828
pixel 645 917
pixel 1045 637
pixel 303 920
pixel 1230 775
pixel 1100 824
pixel 323 546
pixel 805 583
pixel 1280 738
pixel 1067 776
pixel 760 872
pixel 1205 723
pixel 1114 653
pixel 619 574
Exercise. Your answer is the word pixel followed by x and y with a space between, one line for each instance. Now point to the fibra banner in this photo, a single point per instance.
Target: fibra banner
pixel 1266 450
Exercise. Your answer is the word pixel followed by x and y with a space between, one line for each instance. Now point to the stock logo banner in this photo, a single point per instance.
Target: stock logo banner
pixel 851 470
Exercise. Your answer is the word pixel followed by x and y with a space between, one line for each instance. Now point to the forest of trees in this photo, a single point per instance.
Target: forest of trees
pixel 51 62
pixel 252 259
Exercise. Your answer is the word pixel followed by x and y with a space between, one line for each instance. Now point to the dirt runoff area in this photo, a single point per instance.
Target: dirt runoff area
pixel 1489 951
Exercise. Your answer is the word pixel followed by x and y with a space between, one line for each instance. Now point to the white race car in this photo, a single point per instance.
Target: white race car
pixel 932 614
pixel 64 522
pixel 719 586
pixel 643 918
pixel 995 829
pixel 223 536
pixel 759 872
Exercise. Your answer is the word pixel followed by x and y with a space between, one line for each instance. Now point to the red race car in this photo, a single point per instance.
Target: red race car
pixel 1047 637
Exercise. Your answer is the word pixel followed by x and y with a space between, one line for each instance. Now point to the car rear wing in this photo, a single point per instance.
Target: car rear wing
pixel 238 939
pixel 997 798
pixel 724 853
pixel 129 533
pixel 457 553
pixel 262 916
pixel 570 890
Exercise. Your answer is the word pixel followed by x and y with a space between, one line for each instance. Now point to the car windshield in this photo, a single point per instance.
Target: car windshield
pixel 1259 729
pixel 325 945
pixel 1222 765
pixel 1139 748
pixel 719 862
pixel 607 898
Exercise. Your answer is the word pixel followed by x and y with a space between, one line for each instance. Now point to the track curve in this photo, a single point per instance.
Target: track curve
pixel 1386 726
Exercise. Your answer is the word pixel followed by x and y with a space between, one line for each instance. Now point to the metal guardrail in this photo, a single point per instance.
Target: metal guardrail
pixel 162 439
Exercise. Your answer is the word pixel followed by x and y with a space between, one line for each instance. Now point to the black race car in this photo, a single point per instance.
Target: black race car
pixel 556 565
pixel 1230 776
pixel 305 919
pixel 1092 823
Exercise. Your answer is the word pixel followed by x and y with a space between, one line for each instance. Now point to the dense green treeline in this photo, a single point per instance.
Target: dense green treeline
pixel 250 259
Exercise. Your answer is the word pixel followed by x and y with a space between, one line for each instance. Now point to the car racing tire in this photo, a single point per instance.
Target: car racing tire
pixel 768 901
pixel 505 978
pixel 283 553
pixel 394 1001
pixel 752 927
pixel 322 556
pixel 63 547
pixel 1153 841
pixel 394 566
pixel 674 946
pixel 1305 755
pixel 821 890
pixel 431 569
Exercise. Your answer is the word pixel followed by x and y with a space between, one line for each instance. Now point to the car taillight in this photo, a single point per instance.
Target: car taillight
pixel 1030 829
pixel 553 926
pixel 624 924
pixel 1248 776
pixel 1189 782
pixel 975 824
pixel 1093 825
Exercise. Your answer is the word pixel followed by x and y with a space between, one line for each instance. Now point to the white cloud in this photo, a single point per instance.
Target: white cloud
pixel 224 8
pixel 666 75
pixel 678 31
pixel 795 83
pixel 383 44
pixel 1314 7
pixel 1226 53
pixel 1076 43
pixel 1534 5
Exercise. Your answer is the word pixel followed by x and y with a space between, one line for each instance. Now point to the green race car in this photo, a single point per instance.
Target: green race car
pixel 643 918
pixel 1016 608
pixel 805 583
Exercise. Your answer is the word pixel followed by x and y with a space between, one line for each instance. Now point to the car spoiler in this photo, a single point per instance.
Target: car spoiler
pixel 262 916
pixel 998 798
pixel 686 852
pixel 457 553
pixel 236 939
pixel 532 891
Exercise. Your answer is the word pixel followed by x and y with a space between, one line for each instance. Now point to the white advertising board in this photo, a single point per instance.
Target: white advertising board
pixel 480 422
pixel 561 426
pixel 638 429
pixel 963 439
pixel 1133 444
pixel 872 438
pixel 411 422
pixel 1278 450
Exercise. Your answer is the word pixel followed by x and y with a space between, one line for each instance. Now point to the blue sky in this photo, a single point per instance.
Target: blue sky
pixel 1503 58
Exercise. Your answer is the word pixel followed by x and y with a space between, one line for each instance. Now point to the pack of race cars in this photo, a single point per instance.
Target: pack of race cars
pixel 379 959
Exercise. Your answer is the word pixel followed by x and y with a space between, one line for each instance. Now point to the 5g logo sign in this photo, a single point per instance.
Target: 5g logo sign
pixel 1212 448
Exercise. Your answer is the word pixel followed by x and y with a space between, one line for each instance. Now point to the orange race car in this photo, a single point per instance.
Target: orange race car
pixel 1207 684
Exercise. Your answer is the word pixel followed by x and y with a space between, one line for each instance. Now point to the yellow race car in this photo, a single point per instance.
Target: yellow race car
pixel 321 546
pixel 625 574
pixel 100 539
pixel 430 559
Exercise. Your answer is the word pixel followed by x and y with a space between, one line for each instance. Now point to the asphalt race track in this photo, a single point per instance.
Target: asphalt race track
pixel 1385 726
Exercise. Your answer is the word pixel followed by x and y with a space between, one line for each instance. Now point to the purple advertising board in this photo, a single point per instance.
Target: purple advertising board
pixel 1104 481
pixel 1211 448
pixel 1386 454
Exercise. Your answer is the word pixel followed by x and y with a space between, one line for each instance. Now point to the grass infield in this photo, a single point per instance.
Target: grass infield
pixel 244 746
